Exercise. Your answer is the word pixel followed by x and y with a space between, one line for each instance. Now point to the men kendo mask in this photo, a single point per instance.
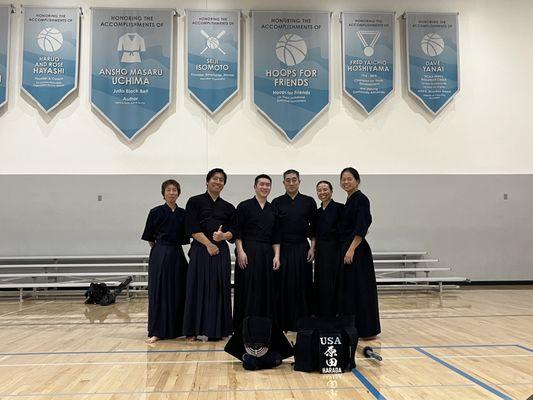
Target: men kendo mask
pixel 259 344
pixel 257 335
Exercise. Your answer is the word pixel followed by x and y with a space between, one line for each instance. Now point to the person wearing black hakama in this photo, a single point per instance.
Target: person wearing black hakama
pixel 167 267
pixel 359 295
pixel 209 220
pixel 327 253
pixel 297 214
pixel 257 253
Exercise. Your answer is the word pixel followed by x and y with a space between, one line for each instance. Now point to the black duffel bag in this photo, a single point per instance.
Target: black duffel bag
pixel 99 293
pixel 325 344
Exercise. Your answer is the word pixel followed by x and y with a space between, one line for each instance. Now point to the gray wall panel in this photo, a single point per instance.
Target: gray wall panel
pixel 461 219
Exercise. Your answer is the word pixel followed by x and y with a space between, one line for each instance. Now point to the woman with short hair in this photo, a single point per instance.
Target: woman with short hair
pixel 167 266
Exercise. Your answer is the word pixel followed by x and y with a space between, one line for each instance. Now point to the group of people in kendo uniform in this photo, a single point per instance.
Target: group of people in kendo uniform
pixel 292 259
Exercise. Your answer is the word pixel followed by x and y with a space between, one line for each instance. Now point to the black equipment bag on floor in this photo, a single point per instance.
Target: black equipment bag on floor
pixel 96 292
pixel 99 293
pixel 325 344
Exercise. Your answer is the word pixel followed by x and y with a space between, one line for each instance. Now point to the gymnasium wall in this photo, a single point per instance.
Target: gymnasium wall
pixel 437 184
pixel 461 219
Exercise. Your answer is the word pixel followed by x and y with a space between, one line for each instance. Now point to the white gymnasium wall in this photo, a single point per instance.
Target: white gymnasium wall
pixel 487 129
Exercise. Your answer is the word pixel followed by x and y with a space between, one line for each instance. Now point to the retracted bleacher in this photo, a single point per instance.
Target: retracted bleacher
pixel 41 275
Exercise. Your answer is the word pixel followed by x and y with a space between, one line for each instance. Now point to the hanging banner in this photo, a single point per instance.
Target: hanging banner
pixel 433 58
pixel 368 52
pixel 131 64
pixel 5 17
pixel 213 44
pixel 291 67
pixel 50 54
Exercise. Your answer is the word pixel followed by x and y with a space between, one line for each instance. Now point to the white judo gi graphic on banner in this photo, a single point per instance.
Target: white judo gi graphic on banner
pixel 291 67
pixel 5 18
pixel 50 55
pixel 131 61
pixel 433 58
pixel 213 59
pixel 131 45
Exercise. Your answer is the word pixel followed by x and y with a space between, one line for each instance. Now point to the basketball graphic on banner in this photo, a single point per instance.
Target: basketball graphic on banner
pixel 50 40
pixel 432 44
pixel 291 49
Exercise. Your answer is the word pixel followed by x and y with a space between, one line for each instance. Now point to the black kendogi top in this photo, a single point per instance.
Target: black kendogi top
pixel 256 224
pixel 355 217
pixel 297 217
pixel 327 221
pixel 165 226
pixel 205 215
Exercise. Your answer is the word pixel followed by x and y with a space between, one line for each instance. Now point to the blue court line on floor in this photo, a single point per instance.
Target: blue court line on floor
pixel 53 353
pixel 465 375
pixel 451 346
pixel 366 383
pixel 167 392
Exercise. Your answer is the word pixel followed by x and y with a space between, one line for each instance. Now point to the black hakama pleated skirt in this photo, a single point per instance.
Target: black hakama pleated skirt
pixel 167 274
pixel 359 295
pixel 208 302
pixel 328 267
pixel 254 285
pixel 294 285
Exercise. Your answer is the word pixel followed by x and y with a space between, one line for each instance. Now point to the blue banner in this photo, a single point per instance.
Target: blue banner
pixel 291 67
pixel 368 52
pixel 50 54
pixel 213 44
pixel 433 58
pixel 5 17
pixel 131 66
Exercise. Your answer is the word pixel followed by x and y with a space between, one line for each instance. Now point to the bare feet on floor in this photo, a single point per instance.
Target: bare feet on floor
pixel 152 339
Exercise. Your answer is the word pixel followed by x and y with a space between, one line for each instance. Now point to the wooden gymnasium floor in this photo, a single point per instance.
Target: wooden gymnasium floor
pixel 469 344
